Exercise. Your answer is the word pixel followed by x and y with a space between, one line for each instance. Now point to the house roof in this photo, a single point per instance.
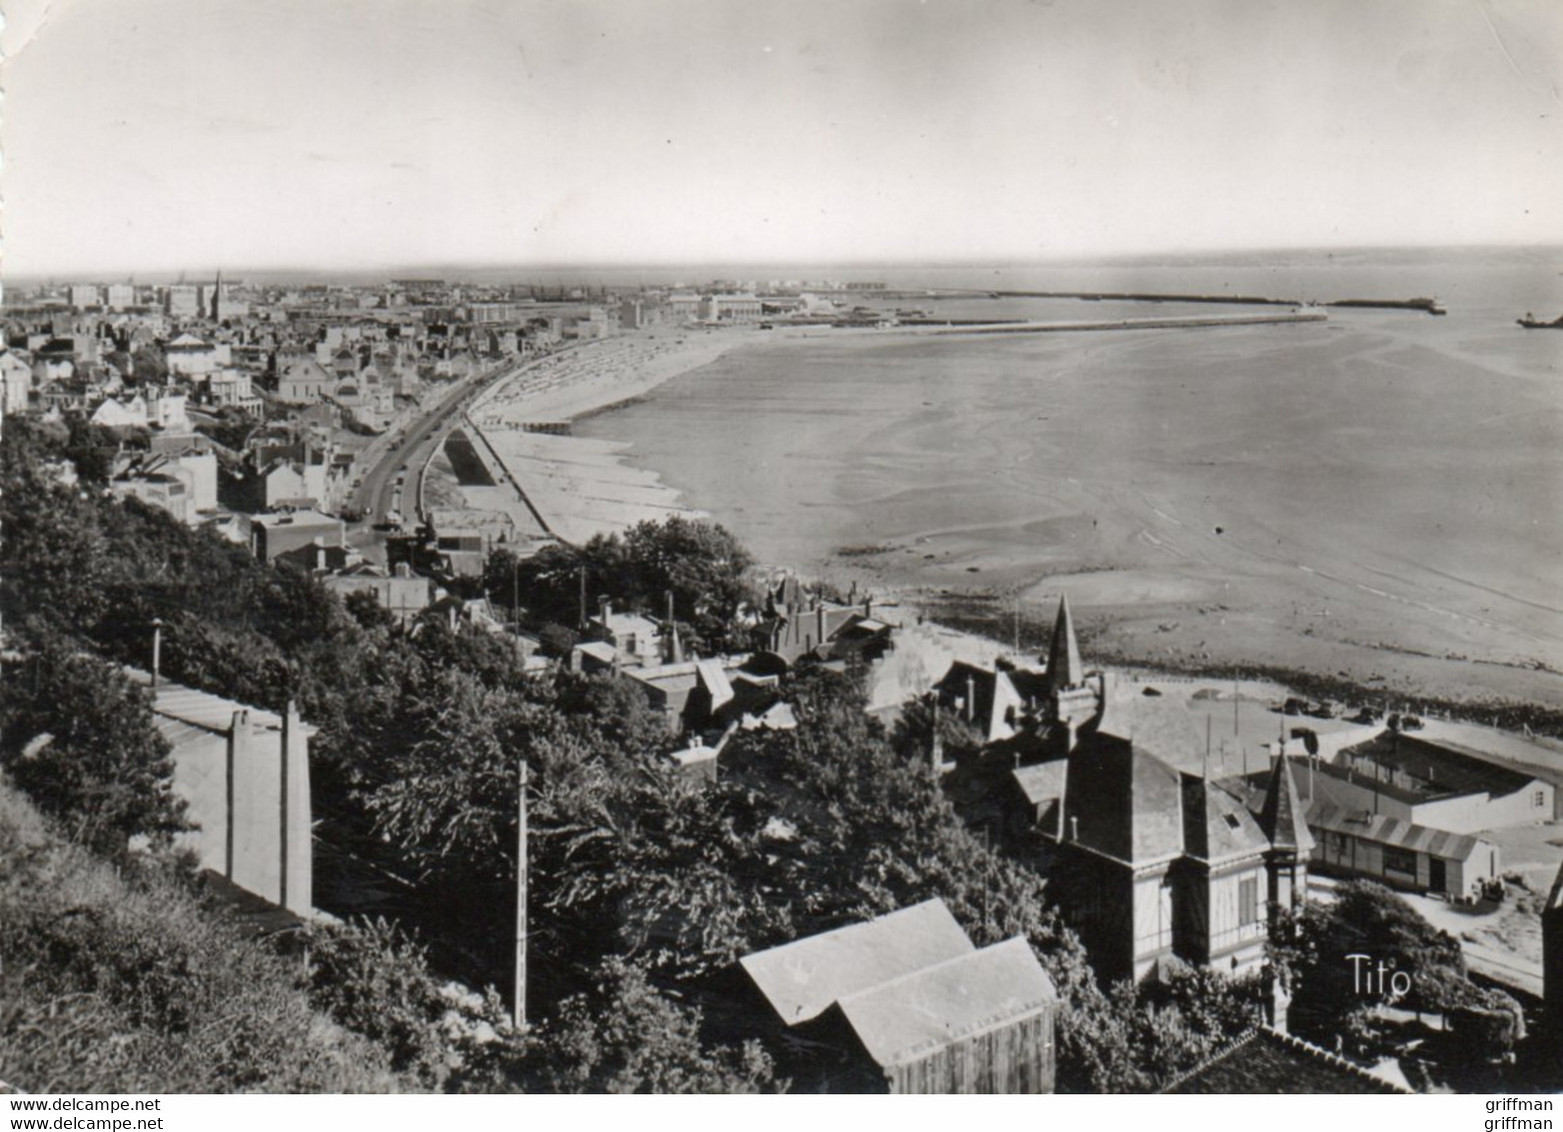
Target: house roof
pixel 1216 825
pixel 997 696
pixel 1161 726
pixel 177 703
pixel 925 1009
pixel 1123 802
pixel 1385 830
pixel 803 978
pixel 1282 818
pixel 1265 1061
pixel 1440 769
pixel 304 517
pixel 1041 782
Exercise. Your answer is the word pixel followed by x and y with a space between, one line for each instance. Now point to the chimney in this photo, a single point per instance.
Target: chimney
pixel 1074 828
pixel 971 698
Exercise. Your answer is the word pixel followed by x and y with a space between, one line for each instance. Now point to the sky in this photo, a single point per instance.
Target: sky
pixel 156 135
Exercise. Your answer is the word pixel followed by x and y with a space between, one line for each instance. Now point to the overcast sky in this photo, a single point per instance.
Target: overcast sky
pixel 190 134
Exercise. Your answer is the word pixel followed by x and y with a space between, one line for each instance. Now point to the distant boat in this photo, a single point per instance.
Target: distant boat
pixel 1530 322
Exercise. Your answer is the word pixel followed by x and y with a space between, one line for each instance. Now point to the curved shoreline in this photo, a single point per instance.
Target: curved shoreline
pixel 577 487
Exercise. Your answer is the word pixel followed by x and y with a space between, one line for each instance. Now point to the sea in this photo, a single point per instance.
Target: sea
pixel 1387 477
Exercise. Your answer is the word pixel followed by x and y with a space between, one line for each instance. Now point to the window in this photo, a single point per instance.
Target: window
pixel 1402 861
pixel 1248 901
pixel 1539 799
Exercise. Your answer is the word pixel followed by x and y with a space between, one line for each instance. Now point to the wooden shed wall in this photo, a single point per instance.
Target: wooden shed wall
pixel 1013 1058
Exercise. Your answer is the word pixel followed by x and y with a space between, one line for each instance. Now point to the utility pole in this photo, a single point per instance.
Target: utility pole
pixel 518 1015
pixel 157 649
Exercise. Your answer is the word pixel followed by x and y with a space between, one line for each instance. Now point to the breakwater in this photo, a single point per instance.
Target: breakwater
pixel 1426 305
pixel 1170 322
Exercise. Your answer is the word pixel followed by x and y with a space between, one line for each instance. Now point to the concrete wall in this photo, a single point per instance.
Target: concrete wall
pixel 247 791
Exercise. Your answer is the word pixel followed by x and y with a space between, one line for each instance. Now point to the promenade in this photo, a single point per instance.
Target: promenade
pixel 574 487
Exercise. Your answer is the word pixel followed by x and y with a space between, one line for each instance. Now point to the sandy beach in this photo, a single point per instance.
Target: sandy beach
pixel 582 487
pixel 1376 496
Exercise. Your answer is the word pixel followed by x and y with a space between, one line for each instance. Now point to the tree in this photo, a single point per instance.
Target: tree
pixel 79 739
pixel 628 1037
pixel 1335 993
pixel 373 979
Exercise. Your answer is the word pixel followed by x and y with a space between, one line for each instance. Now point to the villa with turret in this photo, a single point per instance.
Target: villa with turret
pixel 1150 862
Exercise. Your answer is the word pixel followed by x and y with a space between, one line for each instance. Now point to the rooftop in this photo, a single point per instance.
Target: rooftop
pixel 802 979
pixel 1436 770
pixel 201 709
pixel 1265 1061
pixel 906 1017
pixel 1386 830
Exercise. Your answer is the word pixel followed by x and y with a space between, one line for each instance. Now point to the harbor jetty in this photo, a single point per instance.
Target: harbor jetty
pixel 1170 322
pixel 1425 305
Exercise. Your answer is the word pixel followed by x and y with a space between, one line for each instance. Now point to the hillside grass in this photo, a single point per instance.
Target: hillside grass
pixel 121 981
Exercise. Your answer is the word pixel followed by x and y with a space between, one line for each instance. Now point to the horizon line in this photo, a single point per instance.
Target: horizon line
pixel 414 268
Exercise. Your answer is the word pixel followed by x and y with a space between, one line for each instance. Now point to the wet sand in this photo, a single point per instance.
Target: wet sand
pixel 1378 495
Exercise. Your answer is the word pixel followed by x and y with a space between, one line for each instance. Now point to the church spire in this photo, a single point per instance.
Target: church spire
pixel 1064 669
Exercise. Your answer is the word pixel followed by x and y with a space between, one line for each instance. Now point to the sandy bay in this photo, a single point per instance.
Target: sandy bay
pixel 1379 494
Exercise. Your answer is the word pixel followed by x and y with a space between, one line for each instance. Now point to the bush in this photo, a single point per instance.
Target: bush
pixel 109 985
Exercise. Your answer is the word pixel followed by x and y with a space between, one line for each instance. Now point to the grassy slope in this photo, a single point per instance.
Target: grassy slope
pixel 112 984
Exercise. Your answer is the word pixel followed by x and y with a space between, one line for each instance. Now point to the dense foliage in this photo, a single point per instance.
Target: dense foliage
pixel 1335 995
pixel 116 982
pixel 78 737
pixel 700 564
pixel 644 886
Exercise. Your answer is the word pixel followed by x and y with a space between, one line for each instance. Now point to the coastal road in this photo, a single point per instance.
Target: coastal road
pixel 391 481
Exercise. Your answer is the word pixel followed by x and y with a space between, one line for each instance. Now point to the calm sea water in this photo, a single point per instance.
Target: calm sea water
pixel 1487 279
pixel 1396 469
